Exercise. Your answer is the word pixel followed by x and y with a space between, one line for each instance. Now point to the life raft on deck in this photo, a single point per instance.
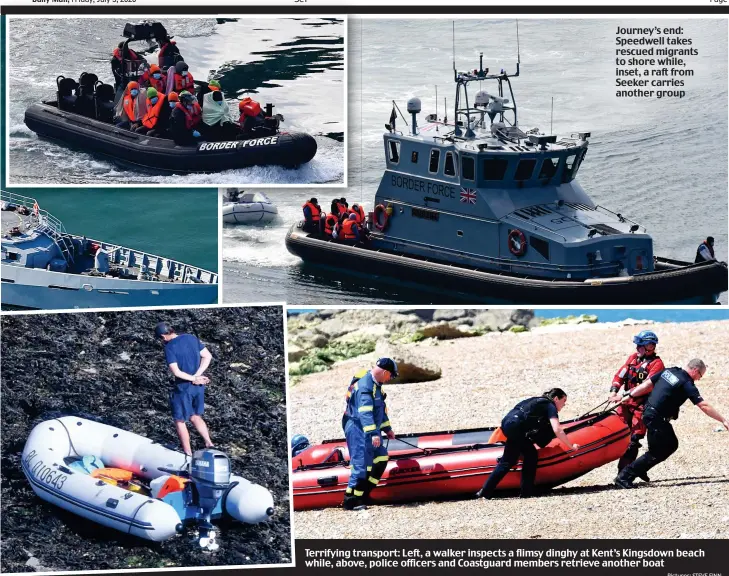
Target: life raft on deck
pixel 439 465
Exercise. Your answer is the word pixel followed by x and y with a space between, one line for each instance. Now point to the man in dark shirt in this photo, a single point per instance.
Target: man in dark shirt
pixel 671 388
pixel 187 359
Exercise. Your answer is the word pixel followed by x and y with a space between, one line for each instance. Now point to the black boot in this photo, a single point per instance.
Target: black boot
pixel 352 502
pixel 625 478
pixel 631 453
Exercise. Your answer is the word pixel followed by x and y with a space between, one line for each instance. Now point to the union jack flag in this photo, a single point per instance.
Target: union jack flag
pixel 468 195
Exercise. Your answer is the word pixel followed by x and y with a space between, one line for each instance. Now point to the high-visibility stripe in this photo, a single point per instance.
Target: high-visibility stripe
pixel 348 490
pixel 380 459
pixel 356 386
pixel 365 409
pixel 385 424
pixel 369 468
pixel 369 428
pixel 359 492
pixel 373 480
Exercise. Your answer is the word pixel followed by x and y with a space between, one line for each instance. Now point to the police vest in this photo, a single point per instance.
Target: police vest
pixel 537 426
pixel 152 115
pixel 315 211
pixel 348 230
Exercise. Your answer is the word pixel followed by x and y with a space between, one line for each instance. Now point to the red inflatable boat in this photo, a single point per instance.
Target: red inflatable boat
pixel 451 464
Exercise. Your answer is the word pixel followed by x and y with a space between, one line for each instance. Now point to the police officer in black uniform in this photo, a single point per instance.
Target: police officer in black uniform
pixel 671 388
pixel 531 421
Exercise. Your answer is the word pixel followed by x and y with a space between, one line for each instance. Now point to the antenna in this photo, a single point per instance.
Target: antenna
pixel 445 110
pixel 454 47
pixel 436 107
pixel 551 118
pixel 518 54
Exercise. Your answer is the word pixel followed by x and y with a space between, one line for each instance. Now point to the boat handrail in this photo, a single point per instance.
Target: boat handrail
pixel 621 217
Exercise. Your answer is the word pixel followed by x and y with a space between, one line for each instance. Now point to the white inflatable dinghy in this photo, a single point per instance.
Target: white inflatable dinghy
pixel 249 208
pixel 144 488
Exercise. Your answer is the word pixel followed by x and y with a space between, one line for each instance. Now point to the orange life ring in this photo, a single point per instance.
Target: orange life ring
pixel 380 209
pixel 517 242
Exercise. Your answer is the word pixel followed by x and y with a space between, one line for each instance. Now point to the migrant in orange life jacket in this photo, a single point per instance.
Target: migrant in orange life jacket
pixel 158 84
pixel 184 83
pixel 315 211
pixel 359 212
pixel 130 102
pixel 192 118
pixel 348 230
pixel 152 116
pixel 330 223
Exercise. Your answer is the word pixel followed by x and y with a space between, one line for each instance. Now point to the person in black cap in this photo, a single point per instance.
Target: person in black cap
pixel 187 359
pixel 364 420
pixel 531 421
pixel 705 251
pixel 670 389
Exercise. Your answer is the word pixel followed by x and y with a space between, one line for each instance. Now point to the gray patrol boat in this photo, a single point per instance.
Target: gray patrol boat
pixel 45 267
pixel 478 206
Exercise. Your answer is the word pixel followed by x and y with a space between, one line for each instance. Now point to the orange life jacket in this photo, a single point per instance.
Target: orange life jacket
pixel 315 211
pixel 192 119
pixel 342 208
pixel 130 107
pixel 152 115
pixel 162 50
pixel 360 214
pixel 160 85
pixel 184 83
pixel 348 229
pixel 329 223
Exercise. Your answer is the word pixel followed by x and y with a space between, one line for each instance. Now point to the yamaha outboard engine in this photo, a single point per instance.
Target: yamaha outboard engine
pixel 210 473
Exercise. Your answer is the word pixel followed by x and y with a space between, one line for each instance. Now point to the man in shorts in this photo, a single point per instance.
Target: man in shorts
pixel 187 359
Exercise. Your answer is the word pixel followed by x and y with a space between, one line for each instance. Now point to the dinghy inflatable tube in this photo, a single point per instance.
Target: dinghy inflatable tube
pixel 112 506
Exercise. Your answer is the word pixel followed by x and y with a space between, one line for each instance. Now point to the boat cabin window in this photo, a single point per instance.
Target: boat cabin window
pixel 570 163
pixel 549 167
pixel 13 256
pixel 434 161
pixel 394 150
pixel 468 168
pixel 414 157
pixel 450 165
pixel 525 169
pixel 495 168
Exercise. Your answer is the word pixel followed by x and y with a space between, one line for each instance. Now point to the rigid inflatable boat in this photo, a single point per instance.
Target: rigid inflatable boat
pixel 248 208
pixel 161 493
pixel 441 465
pixel 82 115
pixel 289 149
pixel 476 205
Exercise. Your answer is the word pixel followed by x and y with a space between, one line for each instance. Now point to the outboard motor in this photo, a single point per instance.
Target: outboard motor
pixel 210 474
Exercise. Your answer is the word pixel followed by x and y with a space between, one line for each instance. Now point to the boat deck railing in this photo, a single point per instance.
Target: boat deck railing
pixel 148 266
pixel 44 222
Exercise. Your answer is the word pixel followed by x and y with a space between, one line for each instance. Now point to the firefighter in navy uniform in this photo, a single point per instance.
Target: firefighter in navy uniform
pixel 640 366
pixel 531 421
pixel 671 388
pixel 705 251
pixel 364 420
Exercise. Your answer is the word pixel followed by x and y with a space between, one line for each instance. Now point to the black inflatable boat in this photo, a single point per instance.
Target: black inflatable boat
pixel 672 282
pixel 288 149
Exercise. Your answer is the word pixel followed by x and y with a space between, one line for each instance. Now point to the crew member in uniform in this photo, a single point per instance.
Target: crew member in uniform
pixel 364 420
pixel 640 366
pixel 531 421
pixel 705 251
pixel 671 388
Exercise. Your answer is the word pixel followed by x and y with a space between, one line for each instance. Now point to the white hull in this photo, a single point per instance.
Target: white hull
pixel 42 289
pixel 109 505
pixel 249 213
